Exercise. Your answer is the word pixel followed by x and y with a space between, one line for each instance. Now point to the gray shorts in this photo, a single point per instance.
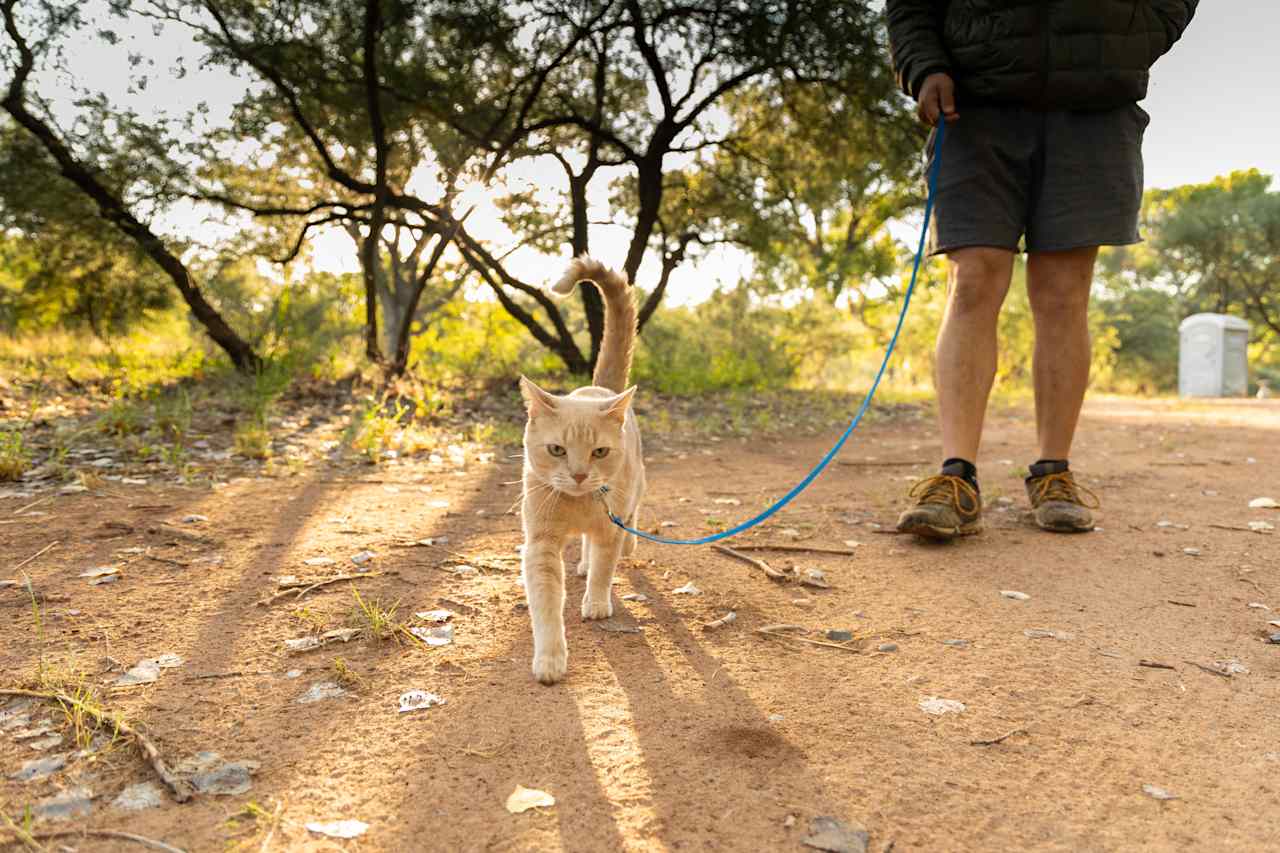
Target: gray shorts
pixel 1064 179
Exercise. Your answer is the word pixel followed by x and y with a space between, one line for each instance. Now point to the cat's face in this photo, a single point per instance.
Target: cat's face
pixel 574 444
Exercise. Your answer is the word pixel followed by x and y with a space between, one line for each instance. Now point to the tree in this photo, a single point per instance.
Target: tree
pixel 105 175
pixel 629 93
pixel 65 265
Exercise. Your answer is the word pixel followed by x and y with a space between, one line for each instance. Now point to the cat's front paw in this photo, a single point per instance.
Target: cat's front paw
pixel 550 667
pixel 593 608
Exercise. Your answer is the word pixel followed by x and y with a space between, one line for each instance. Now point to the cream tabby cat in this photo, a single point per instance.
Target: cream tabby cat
pixel 573 445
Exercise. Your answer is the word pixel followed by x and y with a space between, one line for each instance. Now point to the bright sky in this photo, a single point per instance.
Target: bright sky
pixel 1213 103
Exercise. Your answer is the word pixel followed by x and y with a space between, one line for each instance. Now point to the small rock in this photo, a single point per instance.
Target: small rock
pixel 687 589
pixel 194 519
pixel 959 644
pixel 832 835
pixel 839 636
pixel 1046 634
pixel 338 828
pixel 43 743
pixel 1264 503
pixel 1258 605
pixel 802 602
pixel 887 647
pixel 1157 792
pixel 144 672
pixel 415 700
pixel 321 690
pixel 1015 595
pixel 293 673
pixel 1191 552
pixel 639 597
pixel 437 616
pixel 776 718
pixel 319 561
pixel 144 795
pixel 1274 639
pixel 209 774
pixel 438 636
pixel 1258 526
pixel 39 768
pixel 73 802
pixel 522 799
pixel 362 557
pixel 937 707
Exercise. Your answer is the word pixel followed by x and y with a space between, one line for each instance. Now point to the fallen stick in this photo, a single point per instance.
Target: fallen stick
pixel 301 588
pixel 102 833
pixel 779 636
pixel 997 740
pixel 1239 528
pixel 1209 669
pixel 181 788
pixel 721 622
pixel 799 549
pixel 1180 603
pixel 210 676
pixel 33 556
pixel 770 571
pixel 32 505
pixel 1155 664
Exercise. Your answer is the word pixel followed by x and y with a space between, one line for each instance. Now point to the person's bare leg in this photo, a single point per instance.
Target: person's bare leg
pixel 1058 285
pixel 966 355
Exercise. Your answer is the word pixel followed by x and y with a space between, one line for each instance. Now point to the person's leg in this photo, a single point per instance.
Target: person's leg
pixel 1058 285
pixel 965 366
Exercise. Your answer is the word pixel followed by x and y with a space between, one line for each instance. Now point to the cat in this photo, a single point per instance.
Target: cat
pixel 573 445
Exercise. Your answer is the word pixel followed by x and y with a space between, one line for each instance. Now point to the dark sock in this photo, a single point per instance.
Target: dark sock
pixel 962 468
pixel 1047 466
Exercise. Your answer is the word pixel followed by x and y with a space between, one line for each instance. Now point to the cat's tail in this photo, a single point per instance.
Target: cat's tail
pixel 614 365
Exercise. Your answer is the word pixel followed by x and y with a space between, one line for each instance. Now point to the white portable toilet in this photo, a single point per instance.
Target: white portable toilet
pixel 1213 356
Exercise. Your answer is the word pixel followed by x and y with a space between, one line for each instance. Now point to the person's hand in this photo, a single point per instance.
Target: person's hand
pixel 937 97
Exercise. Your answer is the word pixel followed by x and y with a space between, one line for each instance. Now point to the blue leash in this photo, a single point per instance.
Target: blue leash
pixel 602 493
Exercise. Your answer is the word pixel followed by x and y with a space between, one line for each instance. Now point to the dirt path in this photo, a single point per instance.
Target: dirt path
pixel 673 737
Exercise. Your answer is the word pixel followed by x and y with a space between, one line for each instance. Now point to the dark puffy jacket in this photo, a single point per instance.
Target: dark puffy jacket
pixel 1056 54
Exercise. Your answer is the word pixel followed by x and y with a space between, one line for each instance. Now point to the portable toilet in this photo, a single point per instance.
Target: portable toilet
pixel 1213 356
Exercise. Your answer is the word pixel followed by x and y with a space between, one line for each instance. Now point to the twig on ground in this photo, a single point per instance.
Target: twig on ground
pixel 721 622
pixel 32 505
pixel 801 549
pixel 996 740
pixel 210 676
pixel 43 550
pixel 166 560
pixel 770 571
pixel 1180 603
pixel 1209 669
pixel 182 790
pixel 1239 528
pixel 271 831
pixel 775 633
pixel 103 833
pixel 301 588
pixel 1155 664
pixel 1251 582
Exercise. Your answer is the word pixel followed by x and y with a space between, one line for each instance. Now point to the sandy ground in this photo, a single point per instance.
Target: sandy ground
pixel 672 737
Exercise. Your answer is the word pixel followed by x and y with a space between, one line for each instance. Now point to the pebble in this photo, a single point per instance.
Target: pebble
pixel 1191 552
pixel 73 802
pixel 887 647
pixel 319 691
pixel 1015 595
pixel 959 644
pixel 839 636
pixel 144 795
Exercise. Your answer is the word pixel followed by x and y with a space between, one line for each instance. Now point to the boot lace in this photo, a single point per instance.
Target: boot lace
pixel 948 490
pixel 1063 487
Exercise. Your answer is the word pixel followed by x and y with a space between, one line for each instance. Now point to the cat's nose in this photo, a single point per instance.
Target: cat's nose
pixel 578 478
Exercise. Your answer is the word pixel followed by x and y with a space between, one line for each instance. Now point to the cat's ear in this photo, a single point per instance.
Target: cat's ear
pixel 536 401
pixel 615 408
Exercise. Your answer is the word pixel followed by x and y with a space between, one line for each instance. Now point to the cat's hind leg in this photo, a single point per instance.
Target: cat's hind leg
pixel 543 571
pixel 604 549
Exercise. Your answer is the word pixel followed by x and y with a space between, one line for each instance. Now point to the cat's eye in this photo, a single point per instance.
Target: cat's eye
pixel 600 453
pixel 555 450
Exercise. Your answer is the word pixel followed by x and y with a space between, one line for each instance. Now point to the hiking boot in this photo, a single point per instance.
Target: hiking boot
pixel 945 506
pixel 1058 502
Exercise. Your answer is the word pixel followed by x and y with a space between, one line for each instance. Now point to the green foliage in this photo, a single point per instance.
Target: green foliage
pixel 15 456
